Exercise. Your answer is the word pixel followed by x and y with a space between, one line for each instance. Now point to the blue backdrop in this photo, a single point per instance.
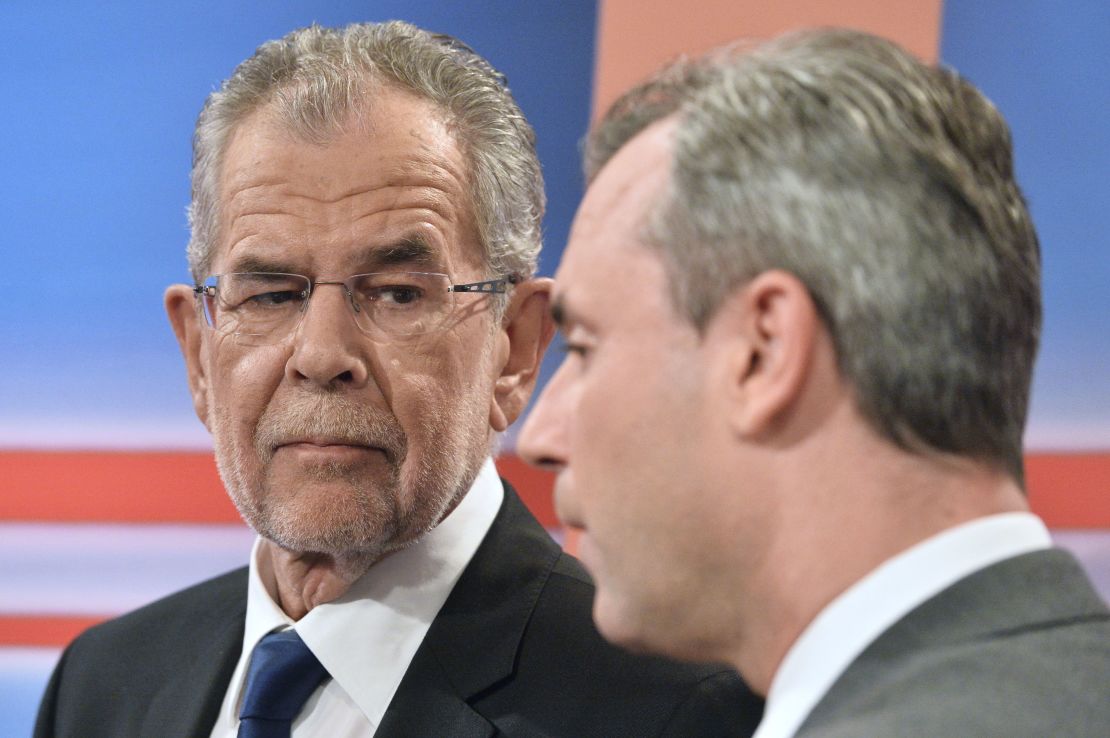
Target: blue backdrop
pixel 1046 65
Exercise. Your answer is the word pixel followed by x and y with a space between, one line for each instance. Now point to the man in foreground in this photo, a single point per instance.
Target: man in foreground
pixel 801 304
pixel 364 321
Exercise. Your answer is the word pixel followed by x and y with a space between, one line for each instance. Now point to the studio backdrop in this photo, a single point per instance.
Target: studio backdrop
pixel 108 494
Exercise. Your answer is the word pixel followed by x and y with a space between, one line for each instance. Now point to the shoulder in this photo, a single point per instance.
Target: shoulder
pixel 166 622
pixel 1020 648
pixel 1047 682
pixel 107 678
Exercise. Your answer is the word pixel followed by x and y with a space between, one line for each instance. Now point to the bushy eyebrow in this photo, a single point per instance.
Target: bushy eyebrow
pixel 260 263
pixel 410 251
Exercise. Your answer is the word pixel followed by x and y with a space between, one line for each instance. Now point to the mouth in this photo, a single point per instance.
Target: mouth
pixel 571 522
pixel 334 449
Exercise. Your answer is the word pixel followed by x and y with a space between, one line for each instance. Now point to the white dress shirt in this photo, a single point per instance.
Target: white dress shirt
pixel 860 614
pixel 367 638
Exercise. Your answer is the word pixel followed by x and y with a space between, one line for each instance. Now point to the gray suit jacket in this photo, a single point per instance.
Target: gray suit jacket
pixel 513 652
pixel 1021 648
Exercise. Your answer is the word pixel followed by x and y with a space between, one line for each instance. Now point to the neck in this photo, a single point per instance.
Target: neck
pixel 860 515
pixel 299 582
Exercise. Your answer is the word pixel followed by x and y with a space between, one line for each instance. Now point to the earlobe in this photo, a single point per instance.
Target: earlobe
pixel 527 330
pixel 768 330
pixel 188 328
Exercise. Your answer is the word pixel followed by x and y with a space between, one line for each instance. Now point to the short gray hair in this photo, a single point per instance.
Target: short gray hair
pixel 315 77
pixel 887 187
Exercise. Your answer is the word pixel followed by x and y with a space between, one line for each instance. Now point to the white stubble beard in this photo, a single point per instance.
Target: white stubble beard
pixel 390 512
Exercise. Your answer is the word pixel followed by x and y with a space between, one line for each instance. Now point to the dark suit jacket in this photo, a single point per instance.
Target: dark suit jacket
pixel 512 652
pixel 1021 648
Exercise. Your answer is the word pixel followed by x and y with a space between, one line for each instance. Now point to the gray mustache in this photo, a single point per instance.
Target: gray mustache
pixel 332 417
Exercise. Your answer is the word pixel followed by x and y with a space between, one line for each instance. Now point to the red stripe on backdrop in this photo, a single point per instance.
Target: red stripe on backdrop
pixel 51 631
pixel 109 486
pixel 160 487
pixel 533 486
pixel 1070 490
pixel 1067 490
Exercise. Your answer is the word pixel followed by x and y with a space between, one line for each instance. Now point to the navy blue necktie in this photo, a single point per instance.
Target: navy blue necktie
pixel 282 675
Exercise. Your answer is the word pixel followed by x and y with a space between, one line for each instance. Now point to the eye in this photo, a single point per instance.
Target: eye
pixel 261 291
pixel 396 294
pixel 571 348
pixel 275 298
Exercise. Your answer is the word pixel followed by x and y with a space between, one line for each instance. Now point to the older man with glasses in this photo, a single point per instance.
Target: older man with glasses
pixel 363 321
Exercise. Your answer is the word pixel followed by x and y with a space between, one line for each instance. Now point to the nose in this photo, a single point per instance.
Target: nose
pixel 543 440
pixel 328 348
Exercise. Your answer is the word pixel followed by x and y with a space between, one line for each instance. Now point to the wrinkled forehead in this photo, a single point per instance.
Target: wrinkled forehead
pixel 393 171
pixel 392 132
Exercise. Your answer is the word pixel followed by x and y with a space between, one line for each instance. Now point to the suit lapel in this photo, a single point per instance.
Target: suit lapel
pixel 189 701
pixel 426 704
pixel 459 659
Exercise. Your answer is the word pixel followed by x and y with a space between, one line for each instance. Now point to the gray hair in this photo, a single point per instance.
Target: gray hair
pixel 316 77
pixel 887 187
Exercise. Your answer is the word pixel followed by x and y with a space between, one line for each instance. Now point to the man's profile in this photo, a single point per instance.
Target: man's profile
pixel 801 303
pixel 363 321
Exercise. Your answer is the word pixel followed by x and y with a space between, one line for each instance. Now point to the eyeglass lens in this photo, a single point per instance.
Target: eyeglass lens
pixel 261 308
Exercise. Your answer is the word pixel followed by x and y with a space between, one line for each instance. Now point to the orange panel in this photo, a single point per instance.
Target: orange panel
pixel 635 37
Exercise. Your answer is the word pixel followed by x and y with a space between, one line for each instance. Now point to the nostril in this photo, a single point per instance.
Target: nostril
pixel 545 463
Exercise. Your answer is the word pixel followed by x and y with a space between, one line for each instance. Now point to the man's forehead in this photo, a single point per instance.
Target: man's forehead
pixel 607 235
pixel 636 173
pixel 397 135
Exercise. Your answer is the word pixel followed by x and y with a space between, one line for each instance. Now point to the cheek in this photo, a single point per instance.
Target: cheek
pixel 635 430
pixel 612 409
pixel 606 446
pixel 433 393
pixel 460 365
pixel 244 381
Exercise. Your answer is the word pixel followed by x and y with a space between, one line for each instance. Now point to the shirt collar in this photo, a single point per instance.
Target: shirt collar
pixel 391 607
pixel 860 614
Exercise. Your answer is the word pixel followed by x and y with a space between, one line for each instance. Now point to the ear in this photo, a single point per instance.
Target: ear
pixel 527 329
pixel 766 334
pixel 188 326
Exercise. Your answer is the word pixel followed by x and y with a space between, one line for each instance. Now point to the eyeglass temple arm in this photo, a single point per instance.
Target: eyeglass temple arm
pixel 493 286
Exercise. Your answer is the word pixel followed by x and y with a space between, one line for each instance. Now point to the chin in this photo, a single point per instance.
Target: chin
pixel 338 539
pixel 641 629
pixel 617 623
pixel 333 518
